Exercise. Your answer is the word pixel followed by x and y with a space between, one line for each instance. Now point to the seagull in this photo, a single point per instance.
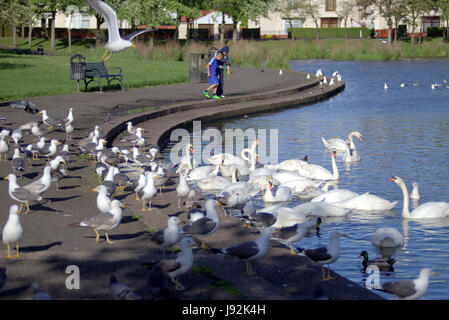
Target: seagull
pixel 149 190
pixel 115 42
pixel 36 130
pixel 16 135
pixel 206 225
pixel 183 189
pixel 69 119
pixel 385 86
pixel 133 138
pixel 130 128
pixel 139 184
pixel 295 233
pixel 415 195
pixel 103 200
pixel 249 250
pixel 181 265
pixel 120 291
pixel 17 162
pixel 69 130
pixel 169 236
pixel 28 106
pixel 410 289
pixel 20 194
pixel 326 255
pixel 4 148
pixel 12 231
pixel 42 184
pixel 308 76
pixel 104 221
pixel 50 122
pixel 403 85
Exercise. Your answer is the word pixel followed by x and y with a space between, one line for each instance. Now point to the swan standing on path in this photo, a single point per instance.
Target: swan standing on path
pixel 425 211
pixel 340 144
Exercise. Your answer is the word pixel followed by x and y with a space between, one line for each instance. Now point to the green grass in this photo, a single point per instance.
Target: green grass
pixel 24 76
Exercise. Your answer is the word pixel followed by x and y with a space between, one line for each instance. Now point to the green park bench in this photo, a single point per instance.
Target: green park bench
pixel 95 71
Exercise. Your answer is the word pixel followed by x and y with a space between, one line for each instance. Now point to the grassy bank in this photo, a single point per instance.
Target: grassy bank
pixel 24 76
pixel 168 62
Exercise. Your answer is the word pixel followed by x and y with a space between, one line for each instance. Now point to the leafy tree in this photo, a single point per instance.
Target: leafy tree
pixel 344 10
pixel 443 6
pixel 311 9
pixel 241 10
pixel 386 10
pixel 415 9
pixel 399 13
pixel 290 11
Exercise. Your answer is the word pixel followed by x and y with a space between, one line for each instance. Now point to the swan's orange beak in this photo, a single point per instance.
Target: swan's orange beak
pixel 191 149
pixel 391 179
pixel 270 185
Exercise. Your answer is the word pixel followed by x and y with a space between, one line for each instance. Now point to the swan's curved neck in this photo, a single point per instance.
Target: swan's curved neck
pixel 268 195
pixel 188 157
pixel 335 172
pixel 405 206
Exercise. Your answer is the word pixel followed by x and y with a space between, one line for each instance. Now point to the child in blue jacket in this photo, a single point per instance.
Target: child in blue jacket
pixel 212 67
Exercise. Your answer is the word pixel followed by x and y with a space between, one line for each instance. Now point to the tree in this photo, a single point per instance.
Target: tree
pixel 189 9
pixel 311 9
pixel 443 6
pixel 399 13
pixel 366 8
pixel 386 10
pixel 414 10
pixel 344 10
pixel 290 11
pixel 241 10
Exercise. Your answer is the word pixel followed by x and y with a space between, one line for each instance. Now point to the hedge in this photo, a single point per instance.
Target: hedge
pixel 310 33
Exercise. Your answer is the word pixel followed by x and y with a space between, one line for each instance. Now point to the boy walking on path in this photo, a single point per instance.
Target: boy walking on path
pixel 212 76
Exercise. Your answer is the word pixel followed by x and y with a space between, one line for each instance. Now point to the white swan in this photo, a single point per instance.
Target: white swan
pixel 335 195
pixel 202 172
pixel 287 165
pixel 299 184
pixel 187 163
pixel 340 144
pixel 366 202
pixel 313 171
pixel 228 158
pixel 387 237
pixel 312 191
pixel 282 193
pixel 415 195
pixel 286 217
pixel 243 168
pixel 424 211
pixel 351 154
pixel 321 209
pixel 216 182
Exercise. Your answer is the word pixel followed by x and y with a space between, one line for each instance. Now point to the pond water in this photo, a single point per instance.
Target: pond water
pixel 406 134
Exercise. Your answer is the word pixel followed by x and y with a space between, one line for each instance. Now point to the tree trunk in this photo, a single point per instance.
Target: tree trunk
pixel 412 41
pixel 176 34
pixel 235 31
pixel 98 36
pixel 222 29
pixel 291 30
pixel 14 35
pixel 396 26
pixel 69 34
pixel 317 31
pixel 22 31
pixel 52 37
pixel 346 29
pixel 389 33
pixel 30 33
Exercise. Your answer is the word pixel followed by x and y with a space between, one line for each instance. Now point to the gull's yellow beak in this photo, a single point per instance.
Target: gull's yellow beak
pixel 94 189
pixel 5 178
pixel 123 205
pixel 132 45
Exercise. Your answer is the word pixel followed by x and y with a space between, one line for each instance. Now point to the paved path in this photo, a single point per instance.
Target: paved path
pixel 50 245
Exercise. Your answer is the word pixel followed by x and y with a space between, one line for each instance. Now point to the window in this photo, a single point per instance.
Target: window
pixel 430 22
pixel 329 22
pixel 331 5
pixel 80 21
pixel 296 24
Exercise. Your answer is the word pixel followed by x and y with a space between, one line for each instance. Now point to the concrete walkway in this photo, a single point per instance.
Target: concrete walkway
pixel 50 245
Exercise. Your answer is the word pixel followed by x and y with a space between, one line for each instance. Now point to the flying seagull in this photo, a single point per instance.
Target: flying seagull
pixel 115 42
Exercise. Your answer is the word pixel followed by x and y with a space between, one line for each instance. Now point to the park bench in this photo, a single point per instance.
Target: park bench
pixel 95 71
